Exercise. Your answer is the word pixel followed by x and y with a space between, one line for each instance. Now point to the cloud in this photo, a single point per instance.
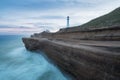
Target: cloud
pixel 51 14
pixel 48 17
pixel 18 30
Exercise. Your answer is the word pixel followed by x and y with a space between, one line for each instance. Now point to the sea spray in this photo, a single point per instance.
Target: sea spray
pixel 17 63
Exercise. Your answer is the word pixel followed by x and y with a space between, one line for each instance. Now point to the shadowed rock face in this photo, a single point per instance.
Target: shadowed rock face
pixel 111 34
pixel 83 62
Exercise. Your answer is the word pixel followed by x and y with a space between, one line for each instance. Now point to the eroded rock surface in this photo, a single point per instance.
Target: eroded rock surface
pixel 94 61
pixel 74 52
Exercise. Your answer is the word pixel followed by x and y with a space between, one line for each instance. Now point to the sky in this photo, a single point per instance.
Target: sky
pixel 32 16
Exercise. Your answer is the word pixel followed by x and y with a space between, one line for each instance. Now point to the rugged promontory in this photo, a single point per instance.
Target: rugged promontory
pixel 87 53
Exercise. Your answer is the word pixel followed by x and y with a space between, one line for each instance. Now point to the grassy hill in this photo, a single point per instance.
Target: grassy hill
pixel 108 20
pixel 111 19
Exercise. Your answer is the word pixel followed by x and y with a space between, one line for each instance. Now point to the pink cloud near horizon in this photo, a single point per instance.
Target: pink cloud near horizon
pixel 20 30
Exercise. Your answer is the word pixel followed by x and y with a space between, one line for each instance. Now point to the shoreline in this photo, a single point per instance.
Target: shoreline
pixel 82 61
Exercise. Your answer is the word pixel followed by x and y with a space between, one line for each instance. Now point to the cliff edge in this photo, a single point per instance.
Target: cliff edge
pixel 87 53
pixel 88 60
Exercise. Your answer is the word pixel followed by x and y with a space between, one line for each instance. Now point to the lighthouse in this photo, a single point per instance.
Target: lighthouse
pixel 68 21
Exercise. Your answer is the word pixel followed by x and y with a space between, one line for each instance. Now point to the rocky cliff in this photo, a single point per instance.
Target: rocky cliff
pixel 84 62
pixel 112 33
pixel 87 53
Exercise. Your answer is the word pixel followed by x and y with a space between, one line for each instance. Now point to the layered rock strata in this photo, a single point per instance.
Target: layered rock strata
pixel 76 33
pixel 84 62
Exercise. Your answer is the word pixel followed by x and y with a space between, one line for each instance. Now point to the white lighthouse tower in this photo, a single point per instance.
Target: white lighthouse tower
pixel 68 24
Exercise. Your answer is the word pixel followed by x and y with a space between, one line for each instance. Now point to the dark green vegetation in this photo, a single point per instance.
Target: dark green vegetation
pixel 87 52
pixel 109 20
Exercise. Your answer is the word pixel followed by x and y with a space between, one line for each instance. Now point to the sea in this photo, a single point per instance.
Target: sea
pixel 16 63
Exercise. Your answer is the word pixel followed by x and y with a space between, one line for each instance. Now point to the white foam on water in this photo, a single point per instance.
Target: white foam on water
pixel 21 64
